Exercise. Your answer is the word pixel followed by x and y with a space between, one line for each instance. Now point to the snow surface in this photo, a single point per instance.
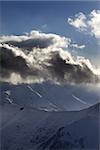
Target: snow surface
pixel 31 122
pixel 33 129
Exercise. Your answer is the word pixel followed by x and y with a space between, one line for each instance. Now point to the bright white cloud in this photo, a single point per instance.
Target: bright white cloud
pixel 79 21
pixel 78 46
pixel 34 37
pixel 40 40
pixel 94 23
pixel 89 23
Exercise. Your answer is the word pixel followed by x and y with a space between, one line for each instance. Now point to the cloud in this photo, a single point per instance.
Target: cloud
pixel 11 62
pixel 89 23
pixel 79 21
pixel 36 39
pixel 77 46
pixel 22 63
pixel 94 23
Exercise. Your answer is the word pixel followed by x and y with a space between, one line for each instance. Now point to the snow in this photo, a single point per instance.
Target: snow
pixel 32 122
pixel 78 99
pixel 30 128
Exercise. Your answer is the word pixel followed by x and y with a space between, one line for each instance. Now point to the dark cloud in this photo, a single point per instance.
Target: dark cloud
pixel 67 72
pixel 45 61
pixel 32 43
pixel 9 63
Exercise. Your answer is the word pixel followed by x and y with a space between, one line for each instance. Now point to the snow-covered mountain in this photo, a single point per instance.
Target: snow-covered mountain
pixel 49 117
pixel 25 128
pixel 51 97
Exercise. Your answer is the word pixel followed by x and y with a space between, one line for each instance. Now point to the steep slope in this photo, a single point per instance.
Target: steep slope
pixel 25 128
pixel 81 134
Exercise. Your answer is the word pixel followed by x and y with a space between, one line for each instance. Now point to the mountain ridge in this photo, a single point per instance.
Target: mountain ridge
pixel 32 129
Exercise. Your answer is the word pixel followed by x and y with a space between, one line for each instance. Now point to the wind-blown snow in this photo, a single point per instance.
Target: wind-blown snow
pixel 78 99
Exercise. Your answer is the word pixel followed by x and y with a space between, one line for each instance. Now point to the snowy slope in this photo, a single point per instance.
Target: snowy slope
pixel 26 128
pixel 51 97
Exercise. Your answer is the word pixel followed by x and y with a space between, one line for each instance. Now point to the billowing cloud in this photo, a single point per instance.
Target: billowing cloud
pixel 36 39
pixel 89 23
pixel 22 61
pixel 94 23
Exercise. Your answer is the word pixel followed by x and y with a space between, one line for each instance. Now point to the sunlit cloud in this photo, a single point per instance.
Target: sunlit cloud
pixel 89 23
pixel 37 57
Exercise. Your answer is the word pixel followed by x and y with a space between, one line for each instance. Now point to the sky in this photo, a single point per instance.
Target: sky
pixel 49 32
pixel 18 17
pixel 49 17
